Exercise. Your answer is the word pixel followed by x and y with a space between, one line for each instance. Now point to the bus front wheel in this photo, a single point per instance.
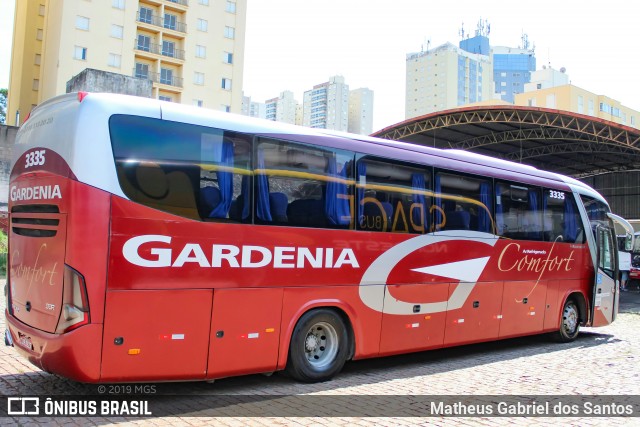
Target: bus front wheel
pixel 570 322
pixel 319 346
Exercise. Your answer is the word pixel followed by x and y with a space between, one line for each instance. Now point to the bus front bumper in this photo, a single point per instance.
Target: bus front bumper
pixel 74 355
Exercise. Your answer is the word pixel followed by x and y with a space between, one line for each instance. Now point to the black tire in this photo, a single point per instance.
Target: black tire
pixel 319 346
pixel 569 323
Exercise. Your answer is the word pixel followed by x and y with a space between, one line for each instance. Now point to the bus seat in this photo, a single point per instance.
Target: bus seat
pixel 458 220
pixel 373 218
pixel 307 212
pixel 152 180
pixel 210 198
pixel 278 203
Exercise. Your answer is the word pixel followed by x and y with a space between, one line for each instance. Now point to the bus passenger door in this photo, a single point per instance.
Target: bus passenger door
pixel 604 304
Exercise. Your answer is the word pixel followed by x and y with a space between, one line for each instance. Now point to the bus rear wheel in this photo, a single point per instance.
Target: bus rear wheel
pixel 319 346
pixel 569 324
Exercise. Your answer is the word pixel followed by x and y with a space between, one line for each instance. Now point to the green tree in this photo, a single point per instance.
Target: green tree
pixel 4 93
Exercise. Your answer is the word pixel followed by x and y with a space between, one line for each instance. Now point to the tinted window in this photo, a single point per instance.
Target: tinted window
pixel 519 211
pixel 392 196
pixel 463 203
pixel 562 221
pixel 192 171
pixel 303 185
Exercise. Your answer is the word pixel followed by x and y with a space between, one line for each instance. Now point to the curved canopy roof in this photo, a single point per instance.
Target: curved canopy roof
pixel 560 141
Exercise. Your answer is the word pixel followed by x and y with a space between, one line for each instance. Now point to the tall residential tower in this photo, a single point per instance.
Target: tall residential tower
pixel 191 50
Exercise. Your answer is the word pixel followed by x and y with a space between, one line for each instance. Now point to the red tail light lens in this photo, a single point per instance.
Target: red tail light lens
pixel 75 304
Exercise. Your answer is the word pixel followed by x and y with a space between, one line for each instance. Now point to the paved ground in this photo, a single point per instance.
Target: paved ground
pixel 602 361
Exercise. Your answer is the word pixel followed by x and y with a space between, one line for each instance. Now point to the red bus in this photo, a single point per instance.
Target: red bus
pixel 151 241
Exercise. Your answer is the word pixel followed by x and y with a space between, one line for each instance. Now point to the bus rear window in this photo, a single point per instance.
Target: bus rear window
pixel 193 171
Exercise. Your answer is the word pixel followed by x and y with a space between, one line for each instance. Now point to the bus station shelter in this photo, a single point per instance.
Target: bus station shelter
pixel 601 153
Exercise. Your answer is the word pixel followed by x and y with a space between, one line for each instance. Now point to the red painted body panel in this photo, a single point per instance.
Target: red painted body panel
pixel 245 331
pixel 165 335
pixel 74 355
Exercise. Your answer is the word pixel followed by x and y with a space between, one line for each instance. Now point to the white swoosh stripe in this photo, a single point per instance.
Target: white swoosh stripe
pixel 463 271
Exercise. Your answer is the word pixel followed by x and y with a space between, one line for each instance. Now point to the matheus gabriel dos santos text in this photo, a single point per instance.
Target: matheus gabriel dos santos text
pixel 531 408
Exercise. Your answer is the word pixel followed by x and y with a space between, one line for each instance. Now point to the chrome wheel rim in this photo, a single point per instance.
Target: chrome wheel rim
pixel 570 319
pixel 321 345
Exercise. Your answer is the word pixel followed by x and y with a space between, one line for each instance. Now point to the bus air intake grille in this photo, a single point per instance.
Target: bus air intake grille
pixel 35 220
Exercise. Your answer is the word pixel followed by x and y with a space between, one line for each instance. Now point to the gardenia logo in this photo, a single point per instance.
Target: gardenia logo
pixel 245 256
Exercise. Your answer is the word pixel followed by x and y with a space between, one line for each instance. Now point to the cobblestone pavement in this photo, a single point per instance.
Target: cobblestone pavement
pixel 602 361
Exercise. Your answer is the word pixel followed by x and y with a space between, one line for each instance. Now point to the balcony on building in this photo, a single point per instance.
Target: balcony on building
pixel 167 22
pixel 163 78
pixel 166 49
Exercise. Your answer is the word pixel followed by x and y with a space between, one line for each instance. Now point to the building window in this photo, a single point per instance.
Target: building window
pixel 169 48
pixel 117 31
pixel 166 76
pixel 165 98
pixel 591 107
pixel 117 4
pixel 41 10
pixel 80 52
pixel 225 108
pixel 39 34
pixel 115 60
pixel 142 70
pixel 203 24
pixel 231 7
pixel 146 15
pixel 226 84
pixel 227 57
pixel 36 84
pixel 230 32
pixel 170 21
pixel 201 51
pixel 38 59
pixel 82 23
pixel 198 102
pixel 580 104
pixel 198 78
pixel 204 2
pixel 144 43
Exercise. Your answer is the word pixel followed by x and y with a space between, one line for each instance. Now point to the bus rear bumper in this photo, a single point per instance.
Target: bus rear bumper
pixel 74 355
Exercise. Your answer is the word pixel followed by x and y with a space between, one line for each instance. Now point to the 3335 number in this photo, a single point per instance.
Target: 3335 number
pixel 35 158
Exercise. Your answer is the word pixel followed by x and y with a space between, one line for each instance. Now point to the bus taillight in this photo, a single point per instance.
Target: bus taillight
pixel 75 305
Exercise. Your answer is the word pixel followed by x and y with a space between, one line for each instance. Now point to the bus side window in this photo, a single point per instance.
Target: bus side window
pixel 392 196
pixel 463 202
pixel 225 183
pixel 562 221
pixel 302 185
pixel 519 211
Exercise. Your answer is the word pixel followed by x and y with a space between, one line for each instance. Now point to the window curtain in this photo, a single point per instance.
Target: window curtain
pixel 336 208
pixel 484 217
pixel 362 173
pixel 570 227
pixel 499 216
pixel 263 205
pixel 225 182
pixel 419 216
pixel 438 190
pixel 246 185
pixel 535 213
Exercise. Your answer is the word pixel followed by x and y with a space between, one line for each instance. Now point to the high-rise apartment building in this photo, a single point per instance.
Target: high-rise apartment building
pixel 282 108
pixel 551 88
pixel 253 109
pixel 446 77
pixel 361 111
pixel 192 50
pixel 512 68
pixel 326 106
